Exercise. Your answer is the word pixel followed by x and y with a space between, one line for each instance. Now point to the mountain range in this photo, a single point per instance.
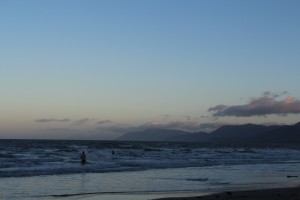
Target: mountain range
pixel 247 133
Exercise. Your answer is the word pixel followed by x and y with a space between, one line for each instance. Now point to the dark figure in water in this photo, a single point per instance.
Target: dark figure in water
pixel 113 152
pixel 83 158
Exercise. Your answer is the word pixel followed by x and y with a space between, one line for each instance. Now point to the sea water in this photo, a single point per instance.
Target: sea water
pixel 50 169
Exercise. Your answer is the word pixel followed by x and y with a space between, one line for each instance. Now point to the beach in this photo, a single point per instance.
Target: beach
pixel 292 193
pixel 287 193
pixel 283 193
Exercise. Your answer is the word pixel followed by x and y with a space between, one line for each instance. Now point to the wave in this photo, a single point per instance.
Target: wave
pixel 20 158
pixel 82 194
pixel 115 193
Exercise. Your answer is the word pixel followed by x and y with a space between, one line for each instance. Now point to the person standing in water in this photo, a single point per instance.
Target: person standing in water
pixel 83 158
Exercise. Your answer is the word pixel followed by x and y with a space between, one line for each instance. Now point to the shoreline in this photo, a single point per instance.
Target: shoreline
pixel 290 193
pixel 275 193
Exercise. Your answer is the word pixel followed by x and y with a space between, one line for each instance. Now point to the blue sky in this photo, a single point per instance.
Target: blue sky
pixel 96 69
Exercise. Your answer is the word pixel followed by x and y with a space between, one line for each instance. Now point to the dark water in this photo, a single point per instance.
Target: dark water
pixel 23 158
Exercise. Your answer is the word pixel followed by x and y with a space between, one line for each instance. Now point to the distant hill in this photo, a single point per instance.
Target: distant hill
pixel 246 130
pixel 192 137
pixel 153 135
pixel 247 133
pixel 236 133
pixel 282 134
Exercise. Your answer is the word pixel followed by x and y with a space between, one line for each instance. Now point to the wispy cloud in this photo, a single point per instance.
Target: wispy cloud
pixel 46 120
pixel 187 117
pixel 189 125
pixel 82 121
pixel 209 127
pixel 60 130
pixel 165 117
pixel 104 122
pixel 265 105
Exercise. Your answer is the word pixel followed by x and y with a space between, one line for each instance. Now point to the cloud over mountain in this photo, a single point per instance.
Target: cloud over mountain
pixel 104 122
pixel 186 125
pixel 180 125
pixel 82 121
pixel 267 104
pixel 46 120
pixel 60 130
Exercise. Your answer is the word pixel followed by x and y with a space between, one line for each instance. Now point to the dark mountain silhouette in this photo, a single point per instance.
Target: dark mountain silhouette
pixel 282 134
pixel 153 135
pixel 246 130
pixel 239 133
pixel 247 133
pixel 192 137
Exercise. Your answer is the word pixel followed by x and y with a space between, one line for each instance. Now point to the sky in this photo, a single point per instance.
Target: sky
pixel 96 69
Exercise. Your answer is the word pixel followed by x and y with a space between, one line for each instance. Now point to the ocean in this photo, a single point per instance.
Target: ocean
pixel 51 169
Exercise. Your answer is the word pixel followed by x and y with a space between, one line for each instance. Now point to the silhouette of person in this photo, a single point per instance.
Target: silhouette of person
pixel 113 152
pixel 83 158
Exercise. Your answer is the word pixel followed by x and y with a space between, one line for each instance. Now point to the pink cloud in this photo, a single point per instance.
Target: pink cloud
pixel 268 104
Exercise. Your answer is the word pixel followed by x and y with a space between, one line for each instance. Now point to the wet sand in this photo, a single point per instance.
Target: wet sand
pixel 263 194
pixel 291 193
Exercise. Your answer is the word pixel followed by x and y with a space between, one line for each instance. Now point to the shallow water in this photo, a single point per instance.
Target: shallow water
pixel 202 180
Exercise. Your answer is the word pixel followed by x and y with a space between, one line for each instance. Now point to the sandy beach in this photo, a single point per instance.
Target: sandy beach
pixel 292 193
